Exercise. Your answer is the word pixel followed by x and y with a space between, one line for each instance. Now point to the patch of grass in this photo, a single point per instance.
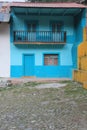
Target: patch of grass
pixel 9 87
pixel 65 81
pixel 3 88
pixel 33 84
pixel 21 86
pixel 75 89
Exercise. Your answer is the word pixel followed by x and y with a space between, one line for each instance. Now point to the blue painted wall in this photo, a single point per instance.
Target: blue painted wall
pixel 62 70
pixel 67 53
pixel 44 71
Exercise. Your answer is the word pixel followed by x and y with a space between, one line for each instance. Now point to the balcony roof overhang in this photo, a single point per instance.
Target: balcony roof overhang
pixel 47 11
pixel 47 4
pixel 55 8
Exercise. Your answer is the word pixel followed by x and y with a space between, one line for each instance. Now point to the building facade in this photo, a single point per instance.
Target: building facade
pixel 4 40
pixel 44 38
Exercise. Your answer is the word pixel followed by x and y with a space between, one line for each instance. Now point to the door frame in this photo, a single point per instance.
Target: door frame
pixel 23 63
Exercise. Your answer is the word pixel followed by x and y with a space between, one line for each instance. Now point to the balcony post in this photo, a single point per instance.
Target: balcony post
pixel 14 37
pixel 64 36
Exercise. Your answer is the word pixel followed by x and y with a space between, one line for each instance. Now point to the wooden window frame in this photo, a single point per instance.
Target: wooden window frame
pixel 32 27
pixel 56 26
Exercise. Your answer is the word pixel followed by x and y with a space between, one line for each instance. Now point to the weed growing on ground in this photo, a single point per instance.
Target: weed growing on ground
pixel 74 89
pixel 32 84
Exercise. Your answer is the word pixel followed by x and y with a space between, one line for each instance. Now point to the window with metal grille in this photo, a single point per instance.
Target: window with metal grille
pixel 51 59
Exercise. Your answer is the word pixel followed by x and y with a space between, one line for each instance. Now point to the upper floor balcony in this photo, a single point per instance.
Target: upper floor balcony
pixel 31 24
pixel 39 37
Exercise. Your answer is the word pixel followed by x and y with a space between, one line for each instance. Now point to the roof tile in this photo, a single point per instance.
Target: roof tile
pixel 47 5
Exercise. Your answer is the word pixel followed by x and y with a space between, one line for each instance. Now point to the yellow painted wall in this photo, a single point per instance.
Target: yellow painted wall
pixel 80 75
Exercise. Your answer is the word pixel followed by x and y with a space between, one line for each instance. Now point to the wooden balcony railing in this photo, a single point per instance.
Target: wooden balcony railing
pixel 39 37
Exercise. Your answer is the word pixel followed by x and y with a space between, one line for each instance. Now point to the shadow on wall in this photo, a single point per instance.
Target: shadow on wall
pixel 39 46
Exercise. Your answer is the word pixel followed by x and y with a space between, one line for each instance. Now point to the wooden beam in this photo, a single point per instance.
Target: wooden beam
pixel 77 12
pixel 65 11
pixel 40 43
pixel 46 14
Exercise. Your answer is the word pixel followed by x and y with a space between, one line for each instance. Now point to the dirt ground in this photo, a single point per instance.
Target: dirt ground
pixel 29 107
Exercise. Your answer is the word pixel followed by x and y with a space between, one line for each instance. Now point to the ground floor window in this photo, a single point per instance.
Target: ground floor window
pixel 51 59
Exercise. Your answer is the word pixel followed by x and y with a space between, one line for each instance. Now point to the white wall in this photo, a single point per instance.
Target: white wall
pixel 4 50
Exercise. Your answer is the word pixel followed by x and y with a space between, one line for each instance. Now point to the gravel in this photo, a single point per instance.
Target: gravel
pixel 50 85
pixel 29 108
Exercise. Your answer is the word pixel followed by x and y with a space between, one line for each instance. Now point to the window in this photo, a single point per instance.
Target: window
pixel 32 27
pixel 56 26
pixel 51 59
